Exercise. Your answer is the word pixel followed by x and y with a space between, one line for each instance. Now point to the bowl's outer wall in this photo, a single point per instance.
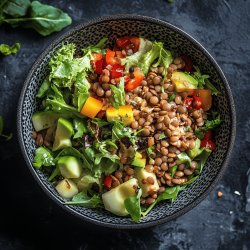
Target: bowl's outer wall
pixel 175 40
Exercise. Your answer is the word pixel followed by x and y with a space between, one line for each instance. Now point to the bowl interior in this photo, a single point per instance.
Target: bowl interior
pixel 173 39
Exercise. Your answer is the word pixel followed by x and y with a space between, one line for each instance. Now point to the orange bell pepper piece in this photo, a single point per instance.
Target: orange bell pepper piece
pixel 91 107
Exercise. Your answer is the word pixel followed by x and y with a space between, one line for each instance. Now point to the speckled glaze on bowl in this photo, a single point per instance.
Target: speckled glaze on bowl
pixel 174 39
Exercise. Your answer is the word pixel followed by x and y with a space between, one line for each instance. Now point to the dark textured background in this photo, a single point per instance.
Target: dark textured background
pixel 29 220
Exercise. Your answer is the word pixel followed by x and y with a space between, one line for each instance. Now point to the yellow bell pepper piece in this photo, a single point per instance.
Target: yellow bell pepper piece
pixel 124 114
pixel 91 107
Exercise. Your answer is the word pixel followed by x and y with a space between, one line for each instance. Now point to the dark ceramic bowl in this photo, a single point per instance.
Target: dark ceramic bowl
pixel 174 39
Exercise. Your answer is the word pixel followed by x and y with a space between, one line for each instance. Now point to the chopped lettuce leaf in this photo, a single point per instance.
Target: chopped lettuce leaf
pixel 209 124
pixel 118 97
pixel 44 88
pixel 134 59
pixel 199 77
pixel 43 157
pixel 157 51
pixel 7 50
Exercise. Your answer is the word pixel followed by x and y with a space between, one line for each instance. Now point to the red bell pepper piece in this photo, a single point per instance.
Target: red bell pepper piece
pixel 107 182
pixel 122 42
pixel 117 71
pixel 136 42
pixel 208 143
pixel 188 102
pixel 197 103
pixel 208 135
pixel 98 62
pixel 110 57
pixel 136 81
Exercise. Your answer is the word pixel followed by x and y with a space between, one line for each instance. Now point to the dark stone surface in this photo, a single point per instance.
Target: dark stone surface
pixel 29 220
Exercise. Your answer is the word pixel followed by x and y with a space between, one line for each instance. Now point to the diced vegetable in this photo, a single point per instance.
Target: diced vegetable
pixel 205 96
pixel 117 71
pixel 67 188
pixel 143 178
pixel 107 181
pixel 64 131
pixel 124 114
pixel 91 107
pixel 69 166
pixel 113 200
pixel 197 103
pixel 183 81
pixel 136 81
pixel 110 57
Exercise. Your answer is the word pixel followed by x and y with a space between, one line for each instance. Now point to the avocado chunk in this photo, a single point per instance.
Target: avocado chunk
pixel 138 161
pixel 113 200
pixel 86 181
pixel 183 81
pixel 196 150
pixel 64 131
pixel 67 188
pixel 70 167
pixel 44 119
pixel 142 174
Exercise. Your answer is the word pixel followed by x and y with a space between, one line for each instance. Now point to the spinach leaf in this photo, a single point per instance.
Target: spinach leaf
pixel 9 50
pixel 43 18
pixel 170 193
pixel 100 122
pixel 7 137
pixel 80 128
pixel 82 199
pixel 209 124
pixel 183 158
pixel 43 157
pixel 15 8
pixel 118 97
pixel 132 204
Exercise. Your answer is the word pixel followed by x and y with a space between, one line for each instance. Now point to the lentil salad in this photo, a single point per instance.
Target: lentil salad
pixel 123 128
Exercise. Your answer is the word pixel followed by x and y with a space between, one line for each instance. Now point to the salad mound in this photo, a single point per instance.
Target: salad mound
pixel 123 128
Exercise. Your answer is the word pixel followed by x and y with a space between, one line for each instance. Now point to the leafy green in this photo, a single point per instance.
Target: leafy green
pixel 100 122
pixel 213 89
pixel 209 124
pixel 118 97
pixel 43 18
pixel 150 150
pixel 43 157
pixel 172 97
pixel 56 103
pixel 44 88
pixel 119 131
pixel 162 136
pixel 134 59
pixel 103 152
pixel 82 199
pixel 132 204
pixel 173 170
pixel 98 48
pixel 80 128
pixel 88 180
pixel 6 50
pixel 170 193
pixel 183 158
pixel 202 158
pixel 157 51
pixel 15 8
pixel 199 77
pixel 7 137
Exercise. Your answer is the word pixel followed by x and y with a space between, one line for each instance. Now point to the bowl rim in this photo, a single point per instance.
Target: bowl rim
pixel 147 19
